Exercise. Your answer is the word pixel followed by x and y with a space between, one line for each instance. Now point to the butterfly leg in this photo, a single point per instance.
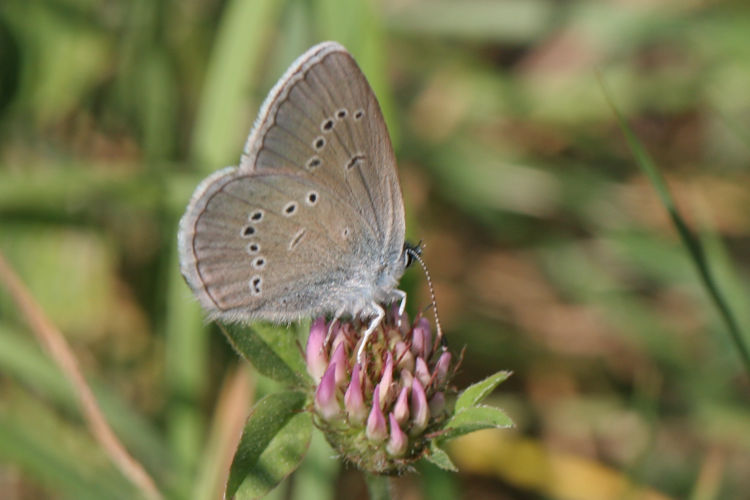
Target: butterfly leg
pixel 374 322
pixel 400 295
pixel 335 319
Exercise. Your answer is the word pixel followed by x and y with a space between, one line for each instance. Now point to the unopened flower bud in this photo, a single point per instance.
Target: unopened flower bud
pixel 398 442
pixel 353 399
pixel 339 359
pixel 403 357
pixel 338 332
pixel 401 408
pixel 437 404
pixel 386 380
pixel 407 379
pixel 420 412
pixel 443 364
pixel 315 355
pixel 422 372
pixel 421 344
pixel 325 396
pixel 376 428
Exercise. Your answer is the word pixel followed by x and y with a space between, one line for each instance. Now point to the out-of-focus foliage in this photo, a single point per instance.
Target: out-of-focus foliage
pixel 551 253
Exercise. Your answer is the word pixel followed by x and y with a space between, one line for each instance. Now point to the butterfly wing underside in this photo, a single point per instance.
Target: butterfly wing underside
pixel 313 216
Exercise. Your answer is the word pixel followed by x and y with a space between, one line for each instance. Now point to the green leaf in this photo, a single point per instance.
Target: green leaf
pixel 267 352
pixel 283 341
pixel 273 441
pixel 282 457
pixel 474 419
pixel 475 393
pixel 439 457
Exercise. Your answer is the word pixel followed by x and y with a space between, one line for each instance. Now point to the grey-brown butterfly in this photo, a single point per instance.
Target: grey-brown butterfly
pixel 311 222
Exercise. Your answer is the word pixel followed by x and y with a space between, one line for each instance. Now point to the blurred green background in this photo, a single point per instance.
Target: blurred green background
pixel 551 253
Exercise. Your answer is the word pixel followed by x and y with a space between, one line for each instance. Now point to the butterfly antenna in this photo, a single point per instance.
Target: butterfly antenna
pixel 414 254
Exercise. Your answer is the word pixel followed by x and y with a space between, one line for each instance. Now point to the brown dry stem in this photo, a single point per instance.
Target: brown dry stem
pixel 53 341
pixel 232 409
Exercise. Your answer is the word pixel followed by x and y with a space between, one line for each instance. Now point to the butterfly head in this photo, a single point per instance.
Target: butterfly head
pixel 411 252
pixel 414 253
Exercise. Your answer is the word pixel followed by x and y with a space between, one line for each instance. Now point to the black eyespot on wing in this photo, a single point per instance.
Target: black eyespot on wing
pixel 290 208
pixel 255 283
pixel 314 163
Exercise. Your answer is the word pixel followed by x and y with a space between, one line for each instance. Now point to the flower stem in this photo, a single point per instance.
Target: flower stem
pixel 377 486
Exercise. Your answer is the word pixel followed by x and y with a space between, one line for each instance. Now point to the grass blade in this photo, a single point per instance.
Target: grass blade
pixel 240 45
pixel 693 244
pixel 226 428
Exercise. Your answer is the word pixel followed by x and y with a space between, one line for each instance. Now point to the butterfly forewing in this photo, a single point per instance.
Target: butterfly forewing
pixel 365 127
pixel 326 122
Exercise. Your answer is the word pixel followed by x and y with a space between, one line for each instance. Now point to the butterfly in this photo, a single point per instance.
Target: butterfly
pixel 311 222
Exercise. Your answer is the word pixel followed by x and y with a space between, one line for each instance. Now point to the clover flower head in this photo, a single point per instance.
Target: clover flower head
pixel 378 413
